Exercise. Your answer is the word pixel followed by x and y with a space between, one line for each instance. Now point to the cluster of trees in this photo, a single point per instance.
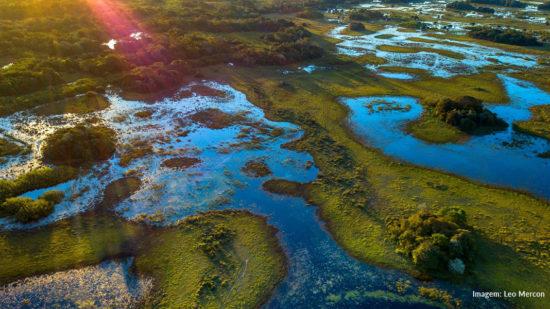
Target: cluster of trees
pixel 79 146
pixel 506 36
pixel 544 6
pixel 507 3
pixel 64 40
pixel 437 243
pixel 27 210
pixel 469 115
pixel 466 6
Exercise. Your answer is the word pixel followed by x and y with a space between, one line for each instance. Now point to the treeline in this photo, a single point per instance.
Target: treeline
pixel 506 36
pixel 56 48
pixel 507 3
pixel 466 6
pixel 544 6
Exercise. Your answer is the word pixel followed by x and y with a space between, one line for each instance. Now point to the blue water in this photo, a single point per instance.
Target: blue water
pixel 505 158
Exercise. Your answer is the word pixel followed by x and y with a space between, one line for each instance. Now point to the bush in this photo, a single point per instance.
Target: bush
pixel 434 242
pixel 80 145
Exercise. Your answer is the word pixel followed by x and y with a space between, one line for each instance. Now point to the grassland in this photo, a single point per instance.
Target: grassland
pixel 539 124
pixel 359 188
pixel 253 260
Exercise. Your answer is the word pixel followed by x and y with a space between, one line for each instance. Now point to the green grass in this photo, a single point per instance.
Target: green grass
pixel 359 187
pixel 539 124
pixel 252 266
pixel 254 260
pixel 433 130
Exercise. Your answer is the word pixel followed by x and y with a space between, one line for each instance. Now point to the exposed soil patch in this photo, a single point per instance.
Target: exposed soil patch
pixel 181 163
pixel 216 119
pixel 256 168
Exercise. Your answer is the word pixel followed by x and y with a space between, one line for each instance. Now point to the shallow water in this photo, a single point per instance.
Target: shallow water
pixel 321 273
pixel 475 56
pixel 107 285
pixel 506 158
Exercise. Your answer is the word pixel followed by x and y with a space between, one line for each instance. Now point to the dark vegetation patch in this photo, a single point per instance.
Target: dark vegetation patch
pixel 8 147
pixel 356 26
pixel 437 243
pixel 256 168
pixel 285 187
pixel 81 104
pixel 539 124
pixel 213 118
pixel 181 163
pixel 507 3
pixel 469 115
pixel 36 179
pixel 505 36
pixel 80 145
pixel 544 6
pixel 466 6
pixel 366 15
pixel 27 210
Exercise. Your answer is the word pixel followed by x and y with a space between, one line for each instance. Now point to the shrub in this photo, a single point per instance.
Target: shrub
pixel 366 15
pixel 80 145
pixel 54 197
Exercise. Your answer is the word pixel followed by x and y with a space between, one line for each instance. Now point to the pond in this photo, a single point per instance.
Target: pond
pixel 505 158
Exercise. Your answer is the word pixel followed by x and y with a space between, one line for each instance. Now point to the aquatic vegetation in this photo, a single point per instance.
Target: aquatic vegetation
pixel 440 295
pixel 181 163
pixel 80 145
pixel 256 168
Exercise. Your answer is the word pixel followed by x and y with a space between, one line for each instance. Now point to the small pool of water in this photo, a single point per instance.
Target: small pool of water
pixel 506 158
